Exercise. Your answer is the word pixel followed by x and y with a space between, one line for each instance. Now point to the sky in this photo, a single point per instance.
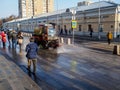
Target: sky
pixel 10 7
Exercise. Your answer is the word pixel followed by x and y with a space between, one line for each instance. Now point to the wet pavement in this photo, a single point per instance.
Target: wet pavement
pixel 13 78
pixel 86 66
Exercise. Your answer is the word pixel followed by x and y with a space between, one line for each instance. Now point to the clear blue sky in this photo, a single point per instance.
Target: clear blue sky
pixel 10 7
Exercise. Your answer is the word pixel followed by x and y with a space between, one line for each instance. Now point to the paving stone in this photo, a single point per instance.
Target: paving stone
pixel 13 78
pixel 5 85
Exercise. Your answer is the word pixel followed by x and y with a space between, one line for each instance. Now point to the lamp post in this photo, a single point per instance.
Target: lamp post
pixel 99 22
pixel 73 11
pixel 57 22
pixel 118 24
pixel 61 23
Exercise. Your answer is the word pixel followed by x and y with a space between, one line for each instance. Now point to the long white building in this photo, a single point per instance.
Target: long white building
pixel 102 16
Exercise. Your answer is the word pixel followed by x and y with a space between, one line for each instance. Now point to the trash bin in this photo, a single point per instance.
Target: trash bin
pixel 116 50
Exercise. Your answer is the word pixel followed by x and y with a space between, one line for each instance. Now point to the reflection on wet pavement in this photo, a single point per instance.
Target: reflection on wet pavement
pixel 70 68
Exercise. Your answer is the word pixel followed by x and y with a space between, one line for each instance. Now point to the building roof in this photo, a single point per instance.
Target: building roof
pixel 95 5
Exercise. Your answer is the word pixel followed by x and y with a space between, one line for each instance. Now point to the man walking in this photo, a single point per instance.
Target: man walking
pixel 31 55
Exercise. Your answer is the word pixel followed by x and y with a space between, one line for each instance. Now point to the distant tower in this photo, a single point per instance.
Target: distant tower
pixel 22 8
pixel 43 6
pixel 28 8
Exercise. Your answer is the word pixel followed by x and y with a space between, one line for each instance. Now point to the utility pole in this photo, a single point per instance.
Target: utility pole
pixel 74 22
pixel 99 22
pixel 57 21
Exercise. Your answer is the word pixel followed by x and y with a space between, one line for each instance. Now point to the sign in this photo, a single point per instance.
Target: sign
pixel 74 24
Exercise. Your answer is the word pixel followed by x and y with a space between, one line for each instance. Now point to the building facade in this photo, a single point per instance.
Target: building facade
pixel 101 16
pixel 29 8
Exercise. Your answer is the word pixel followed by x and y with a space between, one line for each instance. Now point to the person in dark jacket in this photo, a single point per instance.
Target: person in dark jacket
pixel 9 37
pixel 32 49
pixel 91 32
pixel 14 38
pixel 20 40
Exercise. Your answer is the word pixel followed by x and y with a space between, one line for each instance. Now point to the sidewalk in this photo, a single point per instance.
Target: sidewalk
pixel 13 78
pixel 96 44
pixel 94 38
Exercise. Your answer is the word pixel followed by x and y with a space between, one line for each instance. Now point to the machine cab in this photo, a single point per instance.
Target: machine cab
pixel 45 35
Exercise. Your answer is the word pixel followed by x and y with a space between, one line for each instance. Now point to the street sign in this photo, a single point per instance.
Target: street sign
pixel 74 24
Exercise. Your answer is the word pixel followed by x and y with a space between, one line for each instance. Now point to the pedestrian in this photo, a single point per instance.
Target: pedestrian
pixel 9 37
pixel 14 38
pixel 32 49
pixel 3 38
pixel 20 40
pixel 61 31
pixel 66 31
pixel 91 32
pixel 70 30
pixel 109 37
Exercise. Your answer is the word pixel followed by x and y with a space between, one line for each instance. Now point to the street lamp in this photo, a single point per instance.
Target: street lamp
pixel 57 22
pixel 99 22
pixel 61 28
pixel 73 11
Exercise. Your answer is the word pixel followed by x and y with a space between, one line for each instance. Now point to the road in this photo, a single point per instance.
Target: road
pixel 85 66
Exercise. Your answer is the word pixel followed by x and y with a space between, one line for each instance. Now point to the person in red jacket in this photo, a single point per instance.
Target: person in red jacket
pixel 3 38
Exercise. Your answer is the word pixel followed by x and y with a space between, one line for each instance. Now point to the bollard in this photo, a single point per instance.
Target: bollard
pixel 116 50
pixel 62 40
pixel 30 35
pixel 68 41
